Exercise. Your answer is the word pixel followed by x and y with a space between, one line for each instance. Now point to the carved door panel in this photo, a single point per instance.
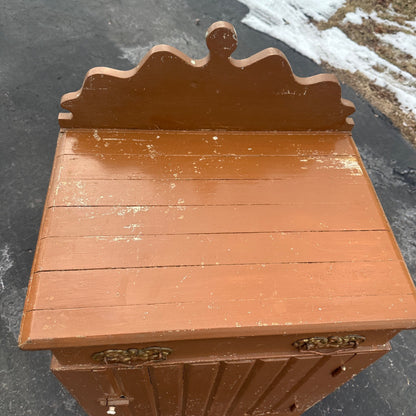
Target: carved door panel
pixel 280 385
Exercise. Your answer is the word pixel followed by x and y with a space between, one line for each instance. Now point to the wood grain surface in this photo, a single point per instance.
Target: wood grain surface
pixel 179 235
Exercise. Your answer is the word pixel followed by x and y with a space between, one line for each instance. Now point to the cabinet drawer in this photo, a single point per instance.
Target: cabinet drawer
pixel 218 348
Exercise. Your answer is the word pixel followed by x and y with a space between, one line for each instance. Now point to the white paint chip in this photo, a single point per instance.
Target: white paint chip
pixel 96 135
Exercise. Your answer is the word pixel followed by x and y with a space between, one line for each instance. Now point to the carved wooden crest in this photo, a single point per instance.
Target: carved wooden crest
pixel 170 91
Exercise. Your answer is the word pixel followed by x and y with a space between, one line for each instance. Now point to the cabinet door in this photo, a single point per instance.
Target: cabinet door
pixel 280 385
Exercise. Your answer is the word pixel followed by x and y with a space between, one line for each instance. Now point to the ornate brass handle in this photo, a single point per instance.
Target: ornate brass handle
pixel 132 355
pixel 335 341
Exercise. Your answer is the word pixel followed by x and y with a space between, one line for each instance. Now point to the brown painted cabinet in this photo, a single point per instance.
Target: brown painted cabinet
pixel 256 385
pixel 211 243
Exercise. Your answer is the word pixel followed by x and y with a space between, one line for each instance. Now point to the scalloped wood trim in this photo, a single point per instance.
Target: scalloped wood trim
pixel 170 91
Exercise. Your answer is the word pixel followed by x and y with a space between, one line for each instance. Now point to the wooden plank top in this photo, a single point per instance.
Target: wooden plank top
pixel 163 235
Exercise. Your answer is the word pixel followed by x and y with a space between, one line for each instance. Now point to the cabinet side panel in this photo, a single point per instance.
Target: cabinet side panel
pixel 334 372
pixel 291 375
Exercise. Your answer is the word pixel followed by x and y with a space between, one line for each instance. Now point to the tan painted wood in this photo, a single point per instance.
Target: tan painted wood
pixel 212 249
pixel 117 239
pixel 207 192
pixel 169 90
pixel 135 286
pixel 177 219
pixel 171 321
pixel 200 143
pixel 121 167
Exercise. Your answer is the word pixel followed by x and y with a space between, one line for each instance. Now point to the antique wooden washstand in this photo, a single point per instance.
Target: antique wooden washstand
pixel 211 243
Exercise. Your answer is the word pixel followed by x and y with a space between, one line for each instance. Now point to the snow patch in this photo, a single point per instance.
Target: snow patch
pixel 411 23
pixel 403 41
pixel 289 21
pixel 356 18
pixel 320 10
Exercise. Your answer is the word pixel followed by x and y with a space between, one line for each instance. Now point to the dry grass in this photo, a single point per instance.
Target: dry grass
pixel 365 34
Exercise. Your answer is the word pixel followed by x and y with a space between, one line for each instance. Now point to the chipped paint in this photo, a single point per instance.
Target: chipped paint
pixel 132 226
pixel 184 278
pixel 348 163
pixel 133 210
pixel 152 151
pixel 126 239
pixel 58 183
pixel 96 135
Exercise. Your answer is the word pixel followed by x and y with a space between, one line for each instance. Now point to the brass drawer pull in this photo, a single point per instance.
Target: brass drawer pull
pixel 132 355
pixel 314 343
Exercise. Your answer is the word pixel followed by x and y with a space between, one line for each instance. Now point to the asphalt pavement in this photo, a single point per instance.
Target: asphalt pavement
pixel 46 47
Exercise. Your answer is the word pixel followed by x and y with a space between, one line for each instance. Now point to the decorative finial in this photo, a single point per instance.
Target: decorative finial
pixel 221 39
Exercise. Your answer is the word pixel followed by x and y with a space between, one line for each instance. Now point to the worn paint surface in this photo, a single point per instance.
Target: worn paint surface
pixel 253 383
pixel 210 91
pixel 194 235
